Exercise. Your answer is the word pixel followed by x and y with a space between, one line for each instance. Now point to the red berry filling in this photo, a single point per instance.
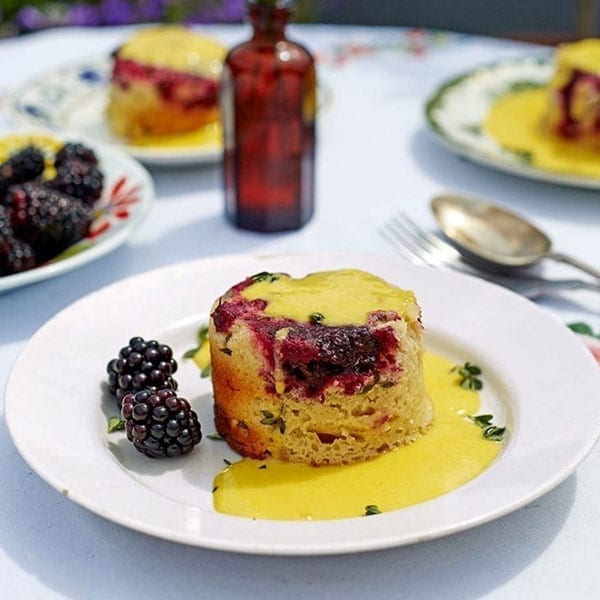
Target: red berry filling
pixel 314 357
pixel 190 91
pixel 569 126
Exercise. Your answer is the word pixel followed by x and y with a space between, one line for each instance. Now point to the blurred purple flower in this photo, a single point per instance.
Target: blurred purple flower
pixel 230 11
pixel 151 10
pixel 82 15
pixel 116 12
pixel 30 19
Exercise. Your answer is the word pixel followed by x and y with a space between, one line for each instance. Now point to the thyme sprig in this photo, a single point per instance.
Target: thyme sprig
pixel 469 374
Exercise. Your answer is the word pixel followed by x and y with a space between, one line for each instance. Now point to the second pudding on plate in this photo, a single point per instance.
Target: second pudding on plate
pixel 164 81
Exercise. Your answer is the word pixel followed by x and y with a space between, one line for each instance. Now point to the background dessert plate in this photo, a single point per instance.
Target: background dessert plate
pixel 456 113
pixel 126 200
pixel 75 96
pixel 548 401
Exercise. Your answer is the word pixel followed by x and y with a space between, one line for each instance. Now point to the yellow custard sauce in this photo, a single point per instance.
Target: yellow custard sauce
pixel 209 136
pixel 451 453
pixel 516 122
pixel 343 297
pixel 177 48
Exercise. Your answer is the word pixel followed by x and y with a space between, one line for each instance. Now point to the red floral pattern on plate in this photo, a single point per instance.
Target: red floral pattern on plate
pixel 114 207
pixel 416 42
pixel 593 345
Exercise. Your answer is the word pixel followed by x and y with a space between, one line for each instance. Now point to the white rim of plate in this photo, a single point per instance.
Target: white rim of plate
pixel 115 236
pixel 456 110
pixel 550 401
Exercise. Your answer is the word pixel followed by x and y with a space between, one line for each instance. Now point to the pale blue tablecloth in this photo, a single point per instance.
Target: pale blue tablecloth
pixel 374 158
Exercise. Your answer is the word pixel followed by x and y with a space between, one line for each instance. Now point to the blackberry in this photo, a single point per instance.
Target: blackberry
pixel 141 365
pixel 78 179
pixel 16 256
pixel 75 151
pixel 20 167
pixel 47 219
pixel 6 230
pixel 160 424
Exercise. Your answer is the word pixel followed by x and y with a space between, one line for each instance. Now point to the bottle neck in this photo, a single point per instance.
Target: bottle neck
pixel 268 21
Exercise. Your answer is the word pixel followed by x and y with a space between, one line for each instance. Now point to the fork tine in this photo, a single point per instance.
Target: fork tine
pixel 434 240
pixel 407 237
pixel 437 253
pixel 390 236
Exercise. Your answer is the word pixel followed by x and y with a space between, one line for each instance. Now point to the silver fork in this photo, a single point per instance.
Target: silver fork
pixel 424 247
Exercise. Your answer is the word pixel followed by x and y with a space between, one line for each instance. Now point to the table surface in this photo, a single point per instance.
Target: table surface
pixel 375 158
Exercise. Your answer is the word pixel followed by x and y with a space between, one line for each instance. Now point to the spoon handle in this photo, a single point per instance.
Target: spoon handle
pixel 569 260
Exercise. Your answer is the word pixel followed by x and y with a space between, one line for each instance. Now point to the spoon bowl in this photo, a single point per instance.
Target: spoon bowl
pixel 494 237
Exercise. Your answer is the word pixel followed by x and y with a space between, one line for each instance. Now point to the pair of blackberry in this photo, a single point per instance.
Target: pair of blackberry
pixel 39 219
pixel 157 421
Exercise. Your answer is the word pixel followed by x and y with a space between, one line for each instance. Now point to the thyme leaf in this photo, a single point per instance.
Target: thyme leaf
pixel 216 437
pixel 227 462
pixel 269 417
pixel 372 509
pixel 115 424
pixel 494 433
pixel 583 328
pixel 482 420
pixel 316 318
pixel 281 425
pixel 264 276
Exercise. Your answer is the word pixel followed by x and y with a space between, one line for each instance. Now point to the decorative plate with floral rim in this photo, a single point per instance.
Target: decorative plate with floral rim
pixel 74 97
pixel 126 199
pixel 457 111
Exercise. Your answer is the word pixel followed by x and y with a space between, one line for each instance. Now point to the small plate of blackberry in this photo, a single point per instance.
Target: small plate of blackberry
pixel 64 203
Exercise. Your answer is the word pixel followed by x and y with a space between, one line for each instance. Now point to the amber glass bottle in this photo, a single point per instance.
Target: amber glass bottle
pixel 268 112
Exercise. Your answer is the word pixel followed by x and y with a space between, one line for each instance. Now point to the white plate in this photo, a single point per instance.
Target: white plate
pixel 456 111
pixel 540 381
pixel 125 202
pixel 74 97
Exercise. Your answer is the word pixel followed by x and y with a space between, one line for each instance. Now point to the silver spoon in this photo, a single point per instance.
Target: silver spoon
pixel 495 237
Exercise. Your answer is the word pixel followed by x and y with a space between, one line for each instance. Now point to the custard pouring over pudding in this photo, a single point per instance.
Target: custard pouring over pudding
pixel 322 370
